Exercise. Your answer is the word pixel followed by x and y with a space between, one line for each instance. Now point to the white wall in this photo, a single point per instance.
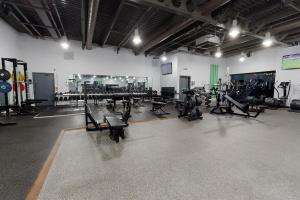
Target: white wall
pixel 8 48
pixel 268 60
pixel 170 80
pixel 8 41
pixel 47 56
pixel 198 67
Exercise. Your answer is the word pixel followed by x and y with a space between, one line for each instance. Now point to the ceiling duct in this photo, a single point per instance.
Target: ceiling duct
pixel 91 23
pixel 207 41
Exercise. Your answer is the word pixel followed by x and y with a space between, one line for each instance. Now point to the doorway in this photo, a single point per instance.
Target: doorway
pixel 44 87
pixel 184 84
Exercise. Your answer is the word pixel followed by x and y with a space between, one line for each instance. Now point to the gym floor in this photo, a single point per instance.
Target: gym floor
pixel 221 157
pixel 25 147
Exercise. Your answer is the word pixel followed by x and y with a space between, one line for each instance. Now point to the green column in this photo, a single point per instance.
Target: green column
pixel 214 68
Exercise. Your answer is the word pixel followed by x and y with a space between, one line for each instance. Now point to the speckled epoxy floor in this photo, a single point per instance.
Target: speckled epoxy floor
pixel 228 158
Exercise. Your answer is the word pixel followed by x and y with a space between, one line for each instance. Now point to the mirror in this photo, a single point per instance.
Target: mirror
pixel 109 84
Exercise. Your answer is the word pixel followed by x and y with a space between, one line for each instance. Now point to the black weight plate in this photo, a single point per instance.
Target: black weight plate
pixel 4 75
pixel 5 87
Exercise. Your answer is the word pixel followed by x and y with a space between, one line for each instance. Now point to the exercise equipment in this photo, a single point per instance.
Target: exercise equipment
pixel 157 108
pixel 190 107
pixel 295 106
pixel 115 122
pixel 279 102
pixel 5 87
pixel 4 75
pixel 225 104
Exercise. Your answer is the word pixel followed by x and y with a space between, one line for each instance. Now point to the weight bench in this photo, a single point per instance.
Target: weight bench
pixel 116 127
pixel 136 102
pixel 157 108
pixel 242 107
pixel 113 123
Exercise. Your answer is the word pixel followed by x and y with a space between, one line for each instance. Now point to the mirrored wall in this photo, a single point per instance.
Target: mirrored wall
pixel 108 83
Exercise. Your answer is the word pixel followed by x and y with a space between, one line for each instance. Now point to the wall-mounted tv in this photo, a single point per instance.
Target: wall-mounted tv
pixel 166 68
pixel 291 61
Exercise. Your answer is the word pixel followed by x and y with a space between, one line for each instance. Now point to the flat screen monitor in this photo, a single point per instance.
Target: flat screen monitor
pixel 291 61
pixel 166 68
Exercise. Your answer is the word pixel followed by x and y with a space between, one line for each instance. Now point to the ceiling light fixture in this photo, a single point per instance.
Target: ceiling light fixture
pixel 136 38
pixel 242 58
pixel 218 53
pixel 234 30
pixel 64 43
pixel 268 41
pixel 164 57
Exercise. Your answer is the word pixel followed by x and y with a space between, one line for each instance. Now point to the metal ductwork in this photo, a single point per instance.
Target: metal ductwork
pixel 208 40
pixel 92 17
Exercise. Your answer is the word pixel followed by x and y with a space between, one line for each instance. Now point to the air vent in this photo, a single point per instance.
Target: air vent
pixel 208 40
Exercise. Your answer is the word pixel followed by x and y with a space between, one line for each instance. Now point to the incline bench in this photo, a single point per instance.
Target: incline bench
pixel 114 123
pixel 242 107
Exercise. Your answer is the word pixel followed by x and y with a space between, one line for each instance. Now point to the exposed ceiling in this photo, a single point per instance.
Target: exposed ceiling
pixel 164 25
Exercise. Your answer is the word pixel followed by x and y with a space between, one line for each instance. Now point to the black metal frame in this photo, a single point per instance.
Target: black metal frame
pixel 6 107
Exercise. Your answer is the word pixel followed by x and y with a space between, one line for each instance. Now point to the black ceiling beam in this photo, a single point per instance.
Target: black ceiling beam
pixel 186 38
pixel 242 46
pixel 212 5
pixel 245 50
pixel 293 6
pixel 59 18
pixel 176 40
pixel 164 33
pixel 91 23
pixel 41 26
pixel 43 16
pixel 264 10
pixel 23 5
pixel 285 26
pixel 22 24
pixel 26 19
pixel 112 23
pixel 83 23
pixel 51 18
pixel 144 18
pixel 168 5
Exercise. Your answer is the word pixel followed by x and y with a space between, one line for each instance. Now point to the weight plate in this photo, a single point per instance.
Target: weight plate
pixel 4 75
pixel 5 87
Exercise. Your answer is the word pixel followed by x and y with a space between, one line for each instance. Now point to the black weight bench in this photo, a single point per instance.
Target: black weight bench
pixel 116 127
pixel 114 123
pixel 157 108
pixel 242 107
pixel 136 102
